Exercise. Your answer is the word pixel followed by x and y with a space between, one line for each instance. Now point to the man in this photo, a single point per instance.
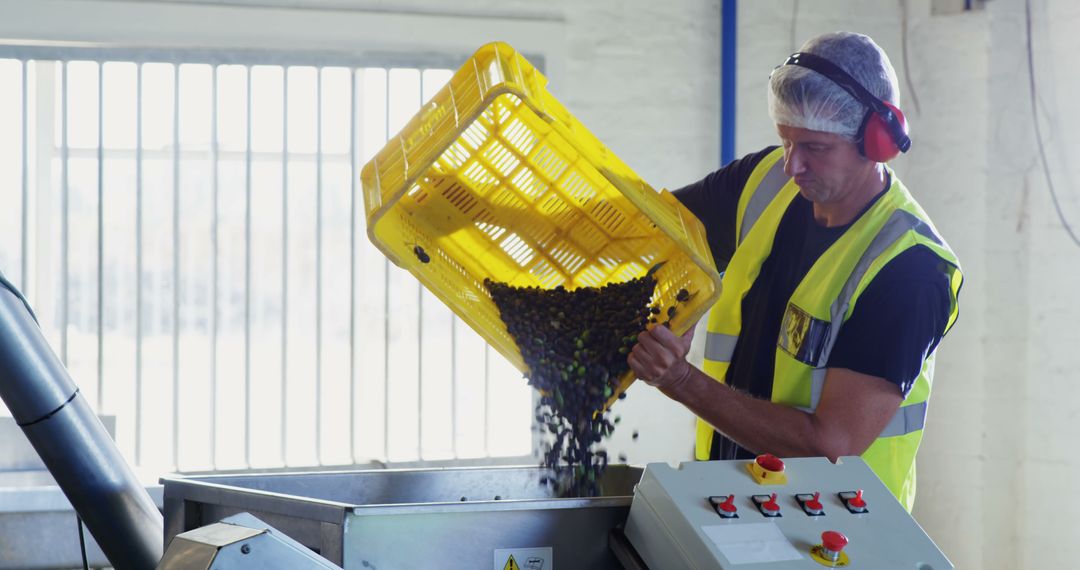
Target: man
pixel 836 290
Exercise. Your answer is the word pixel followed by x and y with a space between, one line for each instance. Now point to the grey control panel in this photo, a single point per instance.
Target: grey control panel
pixel 719 515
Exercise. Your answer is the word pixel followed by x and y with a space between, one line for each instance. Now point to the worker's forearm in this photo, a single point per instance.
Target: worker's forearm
pixel 757 425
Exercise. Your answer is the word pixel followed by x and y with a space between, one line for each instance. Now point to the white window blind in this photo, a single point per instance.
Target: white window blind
pixel 190 232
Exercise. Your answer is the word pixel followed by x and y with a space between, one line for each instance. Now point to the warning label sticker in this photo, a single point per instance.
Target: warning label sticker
pixel 534 558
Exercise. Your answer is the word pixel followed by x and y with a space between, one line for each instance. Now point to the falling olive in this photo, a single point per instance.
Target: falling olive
pixel 573 343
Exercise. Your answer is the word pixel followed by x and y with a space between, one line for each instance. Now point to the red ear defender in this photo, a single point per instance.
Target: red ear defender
pixel 878 143
pixel 883 132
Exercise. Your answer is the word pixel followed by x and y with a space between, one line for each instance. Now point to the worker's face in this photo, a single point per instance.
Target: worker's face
pixel 825 166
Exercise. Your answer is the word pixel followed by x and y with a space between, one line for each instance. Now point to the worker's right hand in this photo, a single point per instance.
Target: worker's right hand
pixel 659 357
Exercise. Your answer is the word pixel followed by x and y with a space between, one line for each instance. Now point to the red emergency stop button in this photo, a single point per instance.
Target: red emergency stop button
pixel 770 462
pixel 767 469
pixel 833 542
pixel 831 550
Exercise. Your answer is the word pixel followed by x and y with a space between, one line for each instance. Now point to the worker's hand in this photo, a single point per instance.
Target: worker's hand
pixel 659 357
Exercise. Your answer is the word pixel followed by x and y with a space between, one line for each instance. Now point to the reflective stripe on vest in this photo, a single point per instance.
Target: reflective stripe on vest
pixel 720 346
pixel 907 419
pixel 769 187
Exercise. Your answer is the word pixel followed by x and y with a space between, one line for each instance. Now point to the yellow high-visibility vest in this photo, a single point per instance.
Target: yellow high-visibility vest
pixel 821 303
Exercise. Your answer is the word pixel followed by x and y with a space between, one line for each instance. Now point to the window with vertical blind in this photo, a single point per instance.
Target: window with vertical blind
pixel 189 228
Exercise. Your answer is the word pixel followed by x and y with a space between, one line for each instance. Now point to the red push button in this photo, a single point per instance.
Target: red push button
pixel 770 462
pixel 854 501
pixel 771 506
pixel 830 552
pixel 767 504
pixel 832 543
pixel 857 501
pixel 767 469
pixel 725 506
pixel 728 506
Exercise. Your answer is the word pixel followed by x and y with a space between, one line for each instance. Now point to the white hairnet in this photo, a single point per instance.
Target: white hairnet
pixel 803 98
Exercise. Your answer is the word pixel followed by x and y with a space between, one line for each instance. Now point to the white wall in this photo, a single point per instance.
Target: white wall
pixel 1032 334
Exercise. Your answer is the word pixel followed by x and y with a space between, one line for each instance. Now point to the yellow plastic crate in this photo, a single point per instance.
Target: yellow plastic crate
pixel 493 178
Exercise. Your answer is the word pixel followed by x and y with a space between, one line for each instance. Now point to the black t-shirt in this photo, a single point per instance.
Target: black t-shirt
pixel 898 321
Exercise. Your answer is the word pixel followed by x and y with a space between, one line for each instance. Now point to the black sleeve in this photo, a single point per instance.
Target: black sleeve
pixel 715 201
pixel 897 321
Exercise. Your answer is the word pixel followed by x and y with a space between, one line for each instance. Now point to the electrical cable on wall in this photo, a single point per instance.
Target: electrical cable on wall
pixel 1038 131
pixel 904 50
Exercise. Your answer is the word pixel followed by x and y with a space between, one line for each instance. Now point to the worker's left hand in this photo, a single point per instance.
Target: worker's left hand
pixel 659 357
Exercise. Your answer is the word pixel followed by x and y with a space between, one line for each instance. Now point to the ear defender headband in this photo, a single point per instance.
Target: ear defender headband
pixel 883 134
